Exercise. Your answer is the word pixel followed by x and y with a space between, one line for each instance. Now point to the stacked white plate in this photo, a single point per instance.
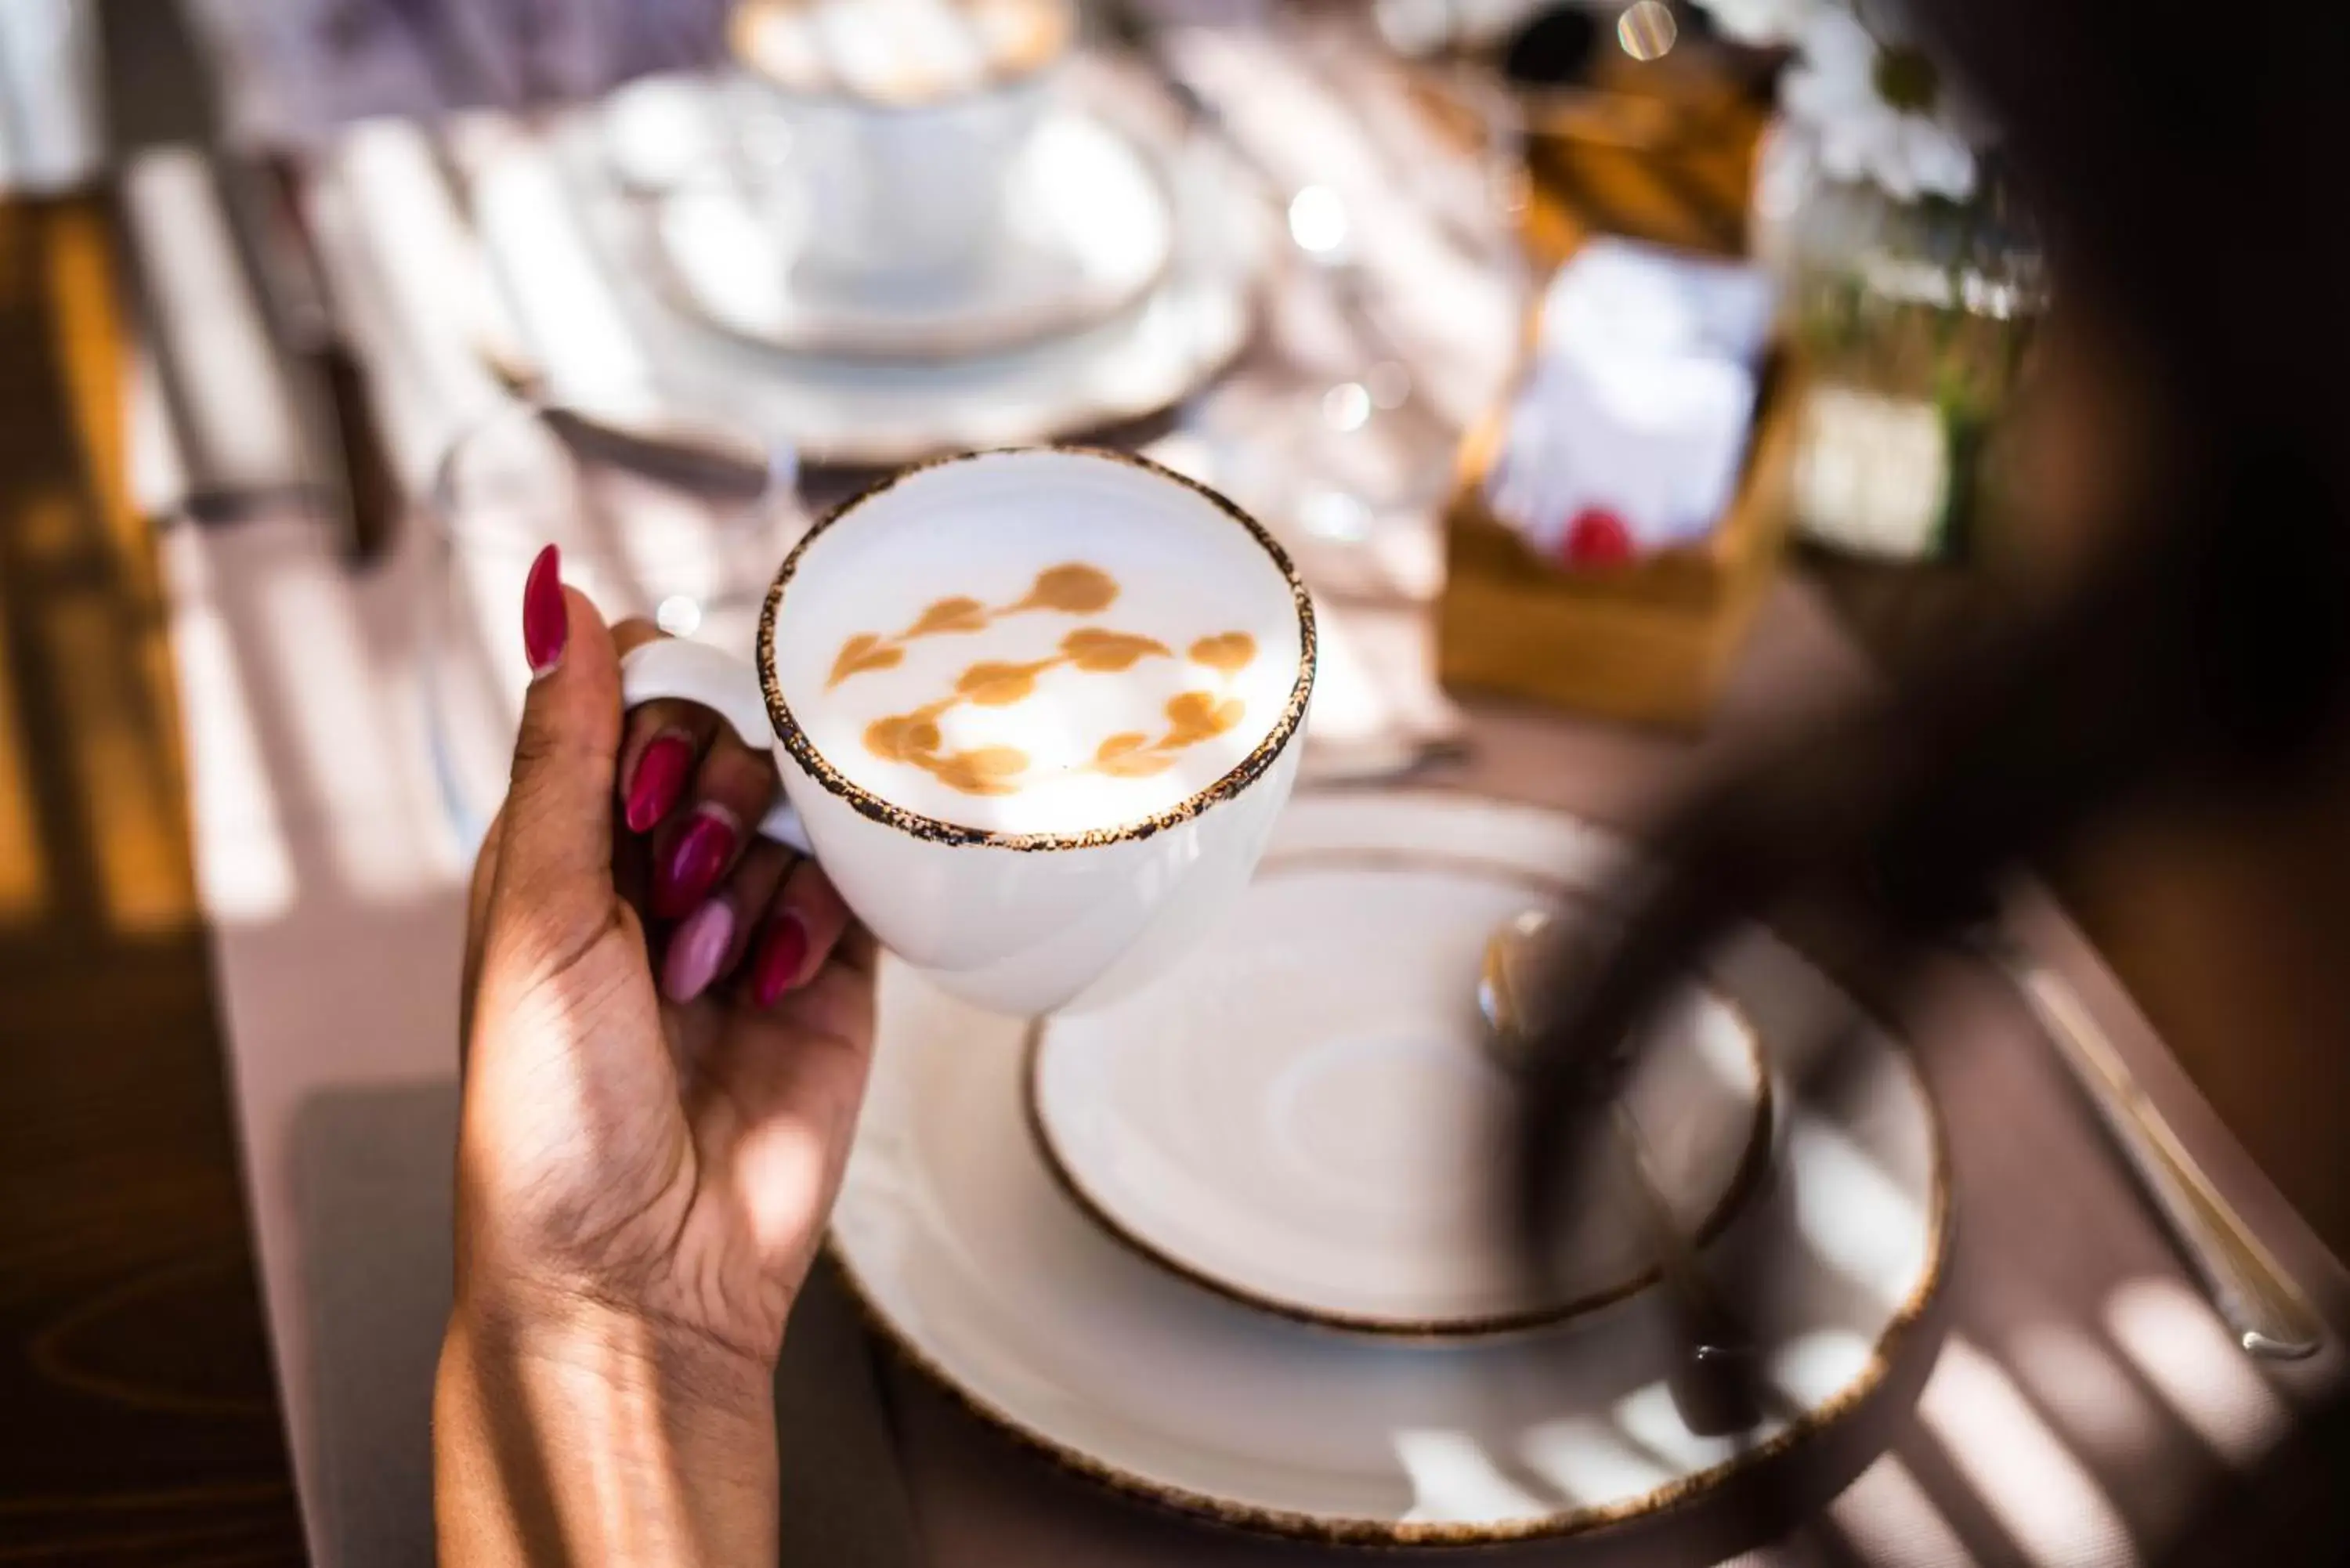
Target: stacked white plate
pixel 1227 1245
pixel 1120 283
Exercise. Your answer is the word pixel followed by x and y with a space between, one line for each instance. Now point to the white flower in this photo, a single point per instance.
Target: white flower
pixel 1878 112
pixel 1762 22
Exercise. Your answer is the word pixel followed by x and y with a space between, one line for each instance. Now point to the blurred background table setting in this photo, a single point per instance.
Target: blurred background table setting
pixel 1627 382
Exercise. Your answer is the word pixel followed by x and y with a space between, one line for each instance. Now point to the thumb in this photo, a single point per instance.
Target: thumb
pixel 556 850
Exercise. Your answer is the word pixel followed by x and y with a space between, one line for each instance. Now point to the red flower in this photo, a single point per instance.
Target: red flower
pixel 1596 539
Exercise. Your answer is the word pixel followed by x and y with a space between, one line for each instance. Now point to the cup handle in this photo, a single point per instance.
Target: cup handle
pixel 671 667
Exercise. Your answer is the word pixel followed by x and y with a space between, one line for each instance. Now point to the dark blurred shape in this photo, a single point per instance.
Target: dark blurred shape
pixel 1715 1385
pixel 156 90
pixel 347 454
pixel 706 463
pixel 2202 652
pixel 1696 22
pixel 1555 48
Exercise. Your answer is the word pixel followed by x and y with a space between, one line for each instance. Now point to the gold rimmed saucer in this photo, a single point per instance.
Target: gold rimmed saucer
pixel 1303 1120
pixel 975 1260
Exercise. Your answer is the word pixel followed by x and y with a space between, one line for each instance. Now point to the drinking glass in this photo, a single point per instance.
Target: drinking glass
pixel 679 524
pixel 1373 441
pixel 1356 449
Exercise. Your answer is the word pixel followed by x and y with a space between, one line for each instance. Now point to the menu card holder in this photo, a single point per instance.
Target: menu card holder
pixel 1649 641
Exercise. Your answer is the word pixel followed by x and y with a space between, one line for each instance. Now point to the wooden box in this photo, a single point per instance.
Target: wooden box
pixel 1649 642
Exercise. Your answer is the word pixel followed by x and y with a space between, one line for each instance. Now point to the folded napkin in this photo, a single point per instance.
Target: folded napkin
pixel 1630 433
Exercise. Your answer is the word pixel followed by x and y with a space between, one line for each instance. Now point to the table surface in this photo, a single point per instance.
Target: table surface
pixel 2076 1412
pixel 143 1422
pixel 142 1419
pixel 156 1442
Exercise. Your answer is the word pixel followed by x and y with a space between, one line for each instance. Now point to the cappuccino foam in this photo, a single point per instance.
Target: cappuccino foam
pixel 1063 664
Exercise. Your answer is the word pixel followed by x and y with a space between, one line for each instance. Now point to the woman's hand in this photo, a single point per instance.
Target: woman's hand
pixel 647 1153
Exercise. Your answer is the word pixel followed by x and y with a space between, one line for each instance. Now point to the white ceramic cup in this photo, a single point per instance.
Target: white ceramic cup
pixel 1027 923
pixel 907 195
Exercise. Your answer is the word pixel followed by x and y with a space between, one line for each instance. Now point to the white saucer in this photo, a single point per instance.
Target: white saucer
pixel 1305 1116
pixel 834 409
pixel 983 1270
pixel 1087 232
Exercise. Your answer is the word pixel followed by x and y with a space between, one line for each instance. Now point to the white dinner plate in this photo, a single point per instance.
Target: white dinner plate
pixel 1306 1117
pixel 1176 336
pixel 979 1266
pixel 1087 232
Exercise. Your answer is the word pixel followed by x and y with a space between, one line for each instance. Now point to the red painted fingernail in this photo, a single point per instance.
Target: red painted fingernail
pixel 1597 537
pixel 702 853
pixel 660 779
pixel 781 955
pixel 546 623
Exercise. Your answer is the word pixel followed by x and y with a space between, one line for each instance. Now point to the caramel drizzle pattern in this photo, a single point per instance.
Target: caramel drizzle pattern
pixel 914 738
pixel 1075 588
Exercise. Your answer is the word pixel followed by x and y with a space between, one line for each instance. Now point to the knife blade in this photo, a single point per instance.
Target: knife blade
pixel 700 459
pixel 347 462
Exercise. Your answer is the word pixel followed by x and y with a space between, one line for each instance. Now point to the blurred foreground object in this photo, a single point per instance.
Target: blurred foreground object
pixel 1917 319
pixel 1616 526
pixel 52 126
pixel 1911 281
pixel 1627 137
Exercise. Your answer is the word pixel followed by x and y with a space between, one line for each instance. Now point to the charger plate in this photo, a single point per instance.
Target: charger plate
pixel 975 1261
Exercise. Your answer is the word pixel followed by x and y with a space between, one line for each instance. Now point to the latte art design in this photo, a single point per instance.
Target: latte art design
pixel 1072 589
pixel 915 738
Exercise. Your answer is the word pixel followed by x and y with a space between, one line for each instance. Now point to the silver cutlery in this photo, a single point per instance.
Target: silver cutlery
pixel 702 461
pixel 348 463
pixel 2264 1307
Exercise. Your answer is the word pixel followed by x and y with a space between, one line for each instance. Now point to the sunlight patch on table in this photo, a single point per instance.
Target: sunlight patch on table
pixel 1888 1517
pixel 2076 1380
pixel 245 870
pixel 24 875
pixel 2177 1345
pixel 131 818
pixel 92 341
pixel 2022 1473
pixel 336 703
